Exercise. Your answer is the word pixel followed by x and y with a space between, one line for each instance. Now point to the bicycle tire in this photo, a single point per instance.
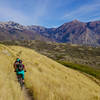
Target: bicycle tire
pixel 20 80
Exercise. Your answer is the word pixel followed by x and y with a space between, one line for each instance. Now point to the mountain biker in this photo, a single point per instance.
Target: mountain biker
pixel 16 63
pixel 20 69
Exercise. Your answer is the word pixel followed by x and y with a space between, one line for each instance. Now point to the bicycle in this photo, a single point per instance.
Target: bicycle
pixel 20 80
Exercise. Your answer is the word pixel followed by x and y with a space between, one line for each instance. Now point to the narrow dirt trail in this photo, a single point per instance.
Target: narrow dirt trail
pixel 27 94
pixel 25 90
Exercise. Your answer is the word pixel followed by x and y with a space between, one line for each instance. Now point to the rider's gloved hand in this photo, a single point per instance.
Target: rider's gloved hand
pixel 25 71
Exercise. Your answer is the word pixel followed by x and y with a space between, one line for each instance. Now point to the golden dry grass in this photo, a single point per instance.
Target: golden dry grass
pixel 9 88
pixel 47 79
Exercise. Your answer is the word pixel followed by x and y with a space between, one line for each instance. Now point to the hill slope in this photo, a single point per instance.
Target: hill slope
pixel 9 87
pixel 47 79
pixel 85 55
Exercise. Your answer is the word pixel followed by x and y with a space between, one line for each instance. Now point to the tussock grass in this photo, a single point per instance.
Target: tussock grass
pixel 79 54
pixel 83 68
pixel 9 87
pixel 49 80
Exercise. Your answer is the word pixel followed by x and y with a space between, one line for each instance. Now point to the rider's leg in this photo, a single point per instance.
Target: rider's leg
pixel 23 77
pixel 22 73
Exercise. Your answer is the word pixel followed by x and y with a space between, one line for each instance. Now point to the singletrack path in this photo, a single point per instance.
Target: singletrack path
pixel 27 94
pixel 8 56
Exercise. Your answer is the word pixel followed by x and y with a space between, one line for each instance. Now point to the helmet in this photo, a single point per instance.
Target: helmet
pixel 17 59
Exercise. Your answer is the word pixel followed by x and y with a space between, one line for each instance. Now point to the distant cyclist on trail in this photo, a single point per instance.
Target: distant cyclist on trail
pixel 16 63
pixel 19 68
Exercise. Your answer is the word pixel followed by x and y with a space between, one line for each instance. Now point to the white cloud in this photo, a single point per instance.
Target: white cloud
pixel 8 13
pixel 95 18
pixel 40 10
pixel 43 6
pixel 82 12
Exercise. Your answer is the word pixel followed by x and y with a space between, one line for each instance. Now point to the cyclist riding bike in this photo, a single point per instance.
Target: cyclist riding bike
pixel 20 68
pixel 16 63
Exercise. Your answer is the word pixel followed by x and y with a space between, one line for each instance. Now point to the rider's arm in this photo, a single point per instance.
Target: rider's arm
pixel 24 68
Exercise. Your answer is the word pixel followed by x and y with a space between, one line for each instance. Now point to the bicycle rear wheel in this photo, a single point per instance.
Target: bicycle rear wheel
pixel 20 80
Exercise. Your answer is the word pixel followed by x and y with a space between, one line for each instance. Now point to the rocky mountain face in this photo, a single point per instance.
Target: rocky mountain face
pixel 14 31
pixel 74 32
pixel 79 33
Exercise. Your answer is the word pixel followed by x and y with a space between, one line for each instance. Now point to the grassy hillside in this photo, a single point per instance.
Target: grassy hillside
pixel 9 88
pixel 83 68
pixel 64 52
pixel 46 79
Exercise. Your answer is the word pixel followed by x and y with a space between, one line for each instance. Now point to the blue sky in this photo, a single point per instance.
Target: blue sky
pixel 49 13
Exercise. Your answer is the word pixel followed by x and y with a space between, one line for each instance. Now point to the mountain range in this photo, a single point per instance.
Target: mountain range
pixel 74 32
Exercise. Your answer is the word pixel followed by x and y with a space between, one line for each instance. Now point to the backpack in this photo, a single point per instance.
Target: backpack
pixel 20 67
pixel 16 63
